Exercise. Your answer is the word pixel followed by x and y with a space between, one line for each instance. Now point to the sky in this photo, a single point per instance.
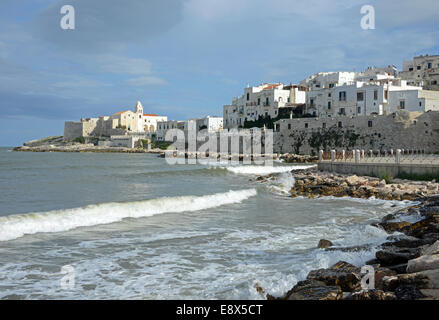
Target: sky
pixel 185 58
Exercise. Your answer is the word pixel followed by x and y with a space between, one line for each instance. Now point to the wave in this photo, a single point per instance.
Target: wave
pixel 16 226
pixel 265 170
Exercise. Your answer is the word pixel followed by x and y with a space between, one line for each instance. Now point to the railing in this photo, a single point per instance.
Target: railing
pixel 399 156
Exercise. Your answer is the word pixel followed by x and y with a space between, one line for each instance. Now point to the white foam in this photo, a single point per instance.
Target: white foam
pixel 15 226
pixel 283 183
pixel 265 170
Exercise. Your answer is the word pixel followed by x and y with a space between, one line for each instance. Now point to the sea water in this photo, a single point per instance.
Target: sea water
pixel 130 226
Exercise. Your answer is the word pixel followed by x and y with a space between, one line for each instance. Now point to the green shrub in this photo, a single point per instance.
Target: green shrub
pixel 418 177
pixel 387 176
pixel 80 139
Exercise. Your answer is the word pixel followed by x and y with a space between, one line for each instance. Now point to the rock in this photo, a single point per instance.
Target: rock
pixel 350 249
pixel 371 295
pixel 323 244
pixel 394 256
pixel 430 294
pixel 342 274
pixel 314 290
pixel 399 268
pixel 428 279
pixel 394 226
pixel 427 225
pixel 380 273
pixel 432 250
pixel 408 293
pixel 426 262
pixel 407 243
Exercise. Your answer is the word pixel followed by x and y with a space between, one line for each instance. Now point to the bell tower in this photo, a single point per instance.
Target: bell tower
pixel 139 108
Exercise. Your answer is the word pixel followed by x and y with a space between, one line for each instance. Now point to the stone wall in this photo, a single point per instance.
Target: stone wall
pixel 94 127
pixel 404 130
pixel 73 129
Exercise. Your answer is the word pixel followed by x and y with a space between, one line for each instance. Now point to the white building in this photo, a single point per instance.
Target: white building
pixel 262 101
pixel 138 121
pixel 422 71
pixel 379 97
pixel 211 124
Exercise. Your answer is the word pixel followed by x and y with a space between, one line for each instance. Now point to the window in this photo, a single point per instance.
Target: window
pixel 248 96
pixel 331 85
pixel 267 101
pixel 259 101
pixel 430 65
pixel 329 95
pixel 375 95
pixel 340 124
pixel 324 125
pixel 306 125
pixel 418 68
pixel 420 103
pixel 360 96
pixel 386 94
pixel 311 102
pixel 359 110
pixel 369 123
pixel 289 126
pixel 329 105
pixel 342 111
pixel 410 69
pixel 402 104
pixel 342 96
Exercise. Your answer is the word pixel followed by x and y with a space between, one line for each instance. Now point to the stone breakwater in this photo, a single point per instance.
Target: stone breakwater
pixel 81 148
pixel 312 183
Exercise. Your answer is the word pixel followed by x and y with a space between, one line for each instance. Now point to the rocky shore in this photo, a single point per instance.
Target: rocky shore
pixel 406 267
pixel 312 183
pixel 57 144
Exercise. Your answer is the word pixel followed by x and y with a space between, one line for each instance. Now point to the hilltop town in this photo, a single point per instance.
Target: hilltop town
pixel 379 108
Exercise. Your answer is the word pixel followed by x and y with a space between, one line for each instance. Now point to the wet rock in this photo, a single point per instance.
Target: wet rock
pixel 323 244
pixel 394 256
pixel 427 225
pixel 428 279
pixel 375 294
pixel 380 273
pixel 342 274
pixel 350 249
pixel 407 243
pixel 408 293
pixel 394 226
pixel 399 268
pixel 314 290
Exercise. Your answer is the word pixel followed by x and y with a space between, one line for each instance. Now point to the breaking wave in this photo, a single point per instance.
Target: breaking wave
pixel 16 226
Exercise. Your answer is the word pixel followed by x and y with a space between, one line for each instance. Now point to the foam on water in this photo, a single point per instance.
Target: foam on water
pixel 15 226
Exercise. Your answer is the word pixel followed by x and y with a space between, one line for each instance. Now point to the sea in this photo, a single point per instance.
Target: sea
pixel 132 226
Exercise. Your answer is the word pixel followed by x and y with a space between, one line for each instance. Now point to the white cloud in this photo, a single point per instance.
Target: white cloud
pixel 146 81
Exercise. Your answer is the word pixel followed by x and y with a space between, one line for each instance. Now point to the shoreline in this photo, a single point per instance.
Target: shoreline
pixel 405 267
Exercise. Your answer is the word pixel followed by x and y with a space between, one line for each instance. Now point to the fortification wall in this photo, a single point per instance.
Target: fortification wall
pixel 73 129
pixel 406 130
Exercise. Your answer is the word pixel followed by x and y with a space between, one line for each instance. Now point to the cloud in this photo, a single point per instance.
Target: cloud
pixel 146 81
pixel 102 25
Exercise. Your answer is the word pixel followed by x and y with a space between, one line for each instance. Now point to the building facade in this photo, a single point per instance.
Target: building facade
pixel 124 122
pixel 422 71
pixel 262 101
